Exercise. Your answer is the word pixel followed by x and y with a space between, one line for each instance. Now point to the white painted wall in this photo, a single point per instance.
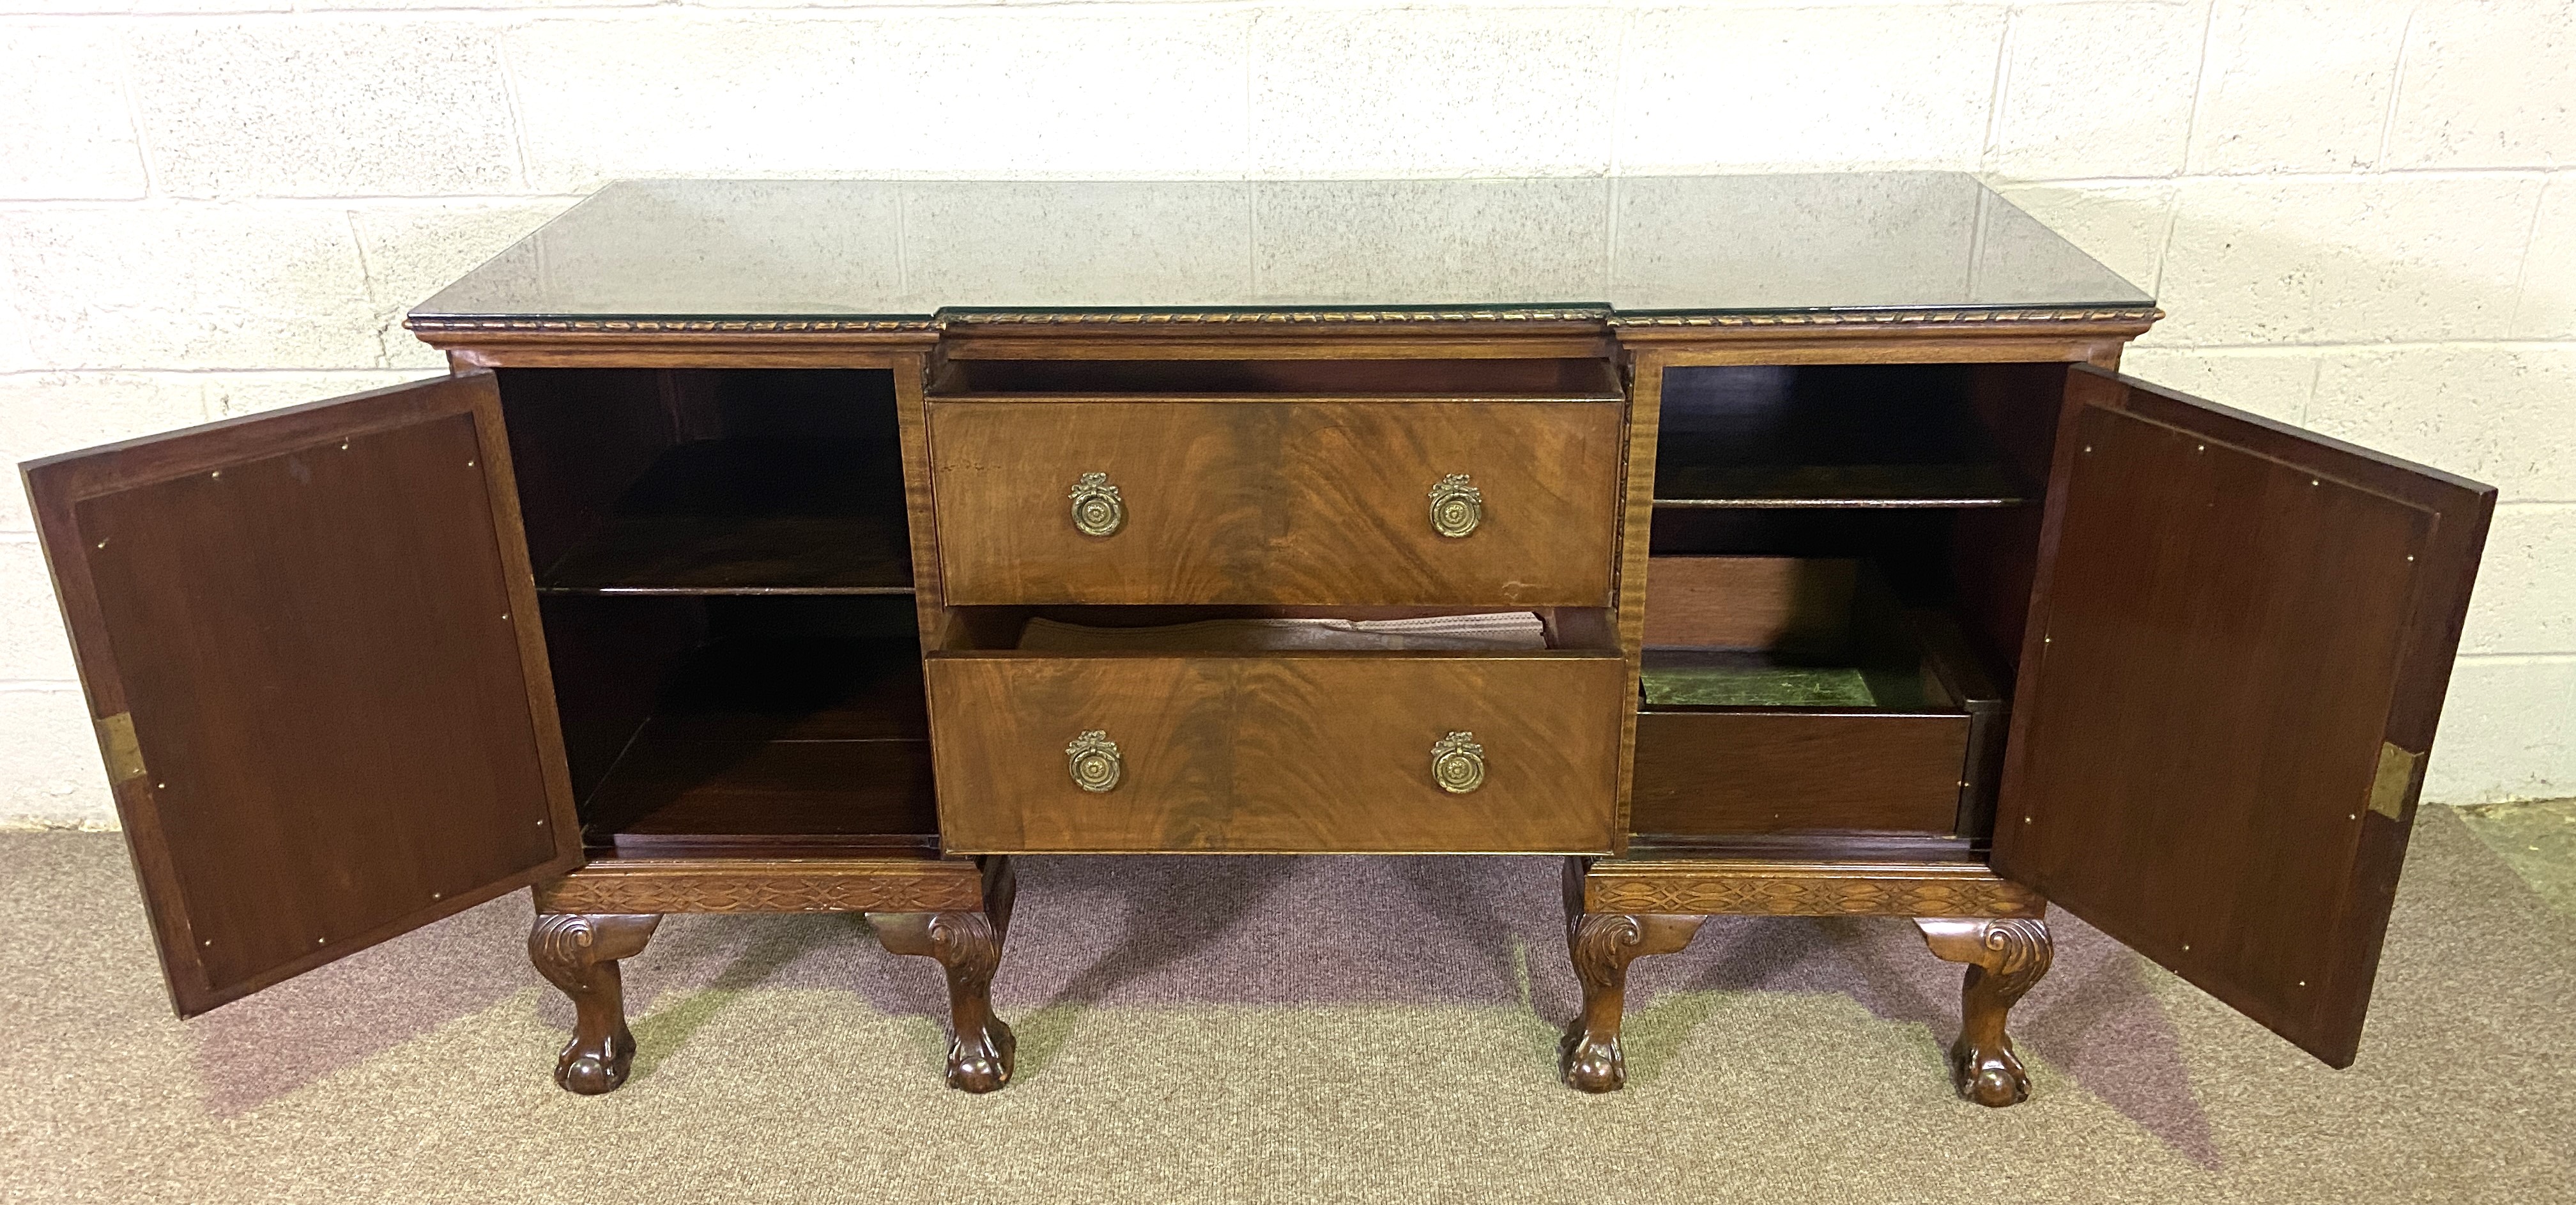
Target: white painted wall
pixel 2362 216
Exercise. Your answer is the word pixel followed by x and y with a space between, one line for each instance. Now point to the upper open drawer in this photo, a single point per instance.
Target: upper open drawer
pixel 1140 500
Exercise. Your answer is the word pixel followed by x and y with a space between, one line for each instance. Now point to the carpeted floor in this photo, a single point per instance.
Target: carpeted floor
pixel 1261 1029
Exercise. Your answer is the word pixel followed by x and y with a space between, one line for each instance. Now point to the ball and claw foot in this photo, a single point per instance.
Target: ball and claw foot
pixel 1992 1078
pixel 1590 1064
pixel 2005 957
pixel 1602 945
pixel 578 953
pixel 591 1068
pixel 968 947
pixel 984 1065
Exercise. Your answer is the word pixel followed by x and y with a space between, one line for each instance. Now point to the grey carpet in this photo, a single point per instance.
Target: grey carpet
pixel 1261 1029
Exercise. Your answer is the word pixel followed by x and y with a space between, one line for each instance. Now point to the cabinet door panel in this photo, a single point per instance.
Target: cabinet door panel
pixel 2238 646
pixel 309 638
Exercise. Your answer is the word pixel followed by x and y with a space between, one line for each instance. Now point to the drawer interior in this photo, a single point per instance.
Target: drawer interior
pixel 1794 632
pixel 1571 379
pixel 1801 695
pixel 1218 629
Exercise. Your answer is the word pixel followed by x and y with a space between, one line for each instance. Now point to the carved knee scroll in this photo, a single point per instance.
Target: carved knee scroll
pixel 1602 945
pixel 2005 957
pixel 968 947
pixel 578 952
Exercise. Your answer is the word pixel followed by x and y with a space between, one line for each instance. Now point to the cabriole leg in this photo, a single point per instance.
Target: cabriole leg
pixel 2005 957
pixel 578 952
pixel 968 946
pixel 1602 945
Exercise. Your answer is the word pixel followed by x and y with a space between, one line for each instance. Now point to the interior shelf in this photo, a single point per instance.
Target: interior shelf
pixel 751 516
pixel 1827 436
pixel 1691 484
pixel 775 744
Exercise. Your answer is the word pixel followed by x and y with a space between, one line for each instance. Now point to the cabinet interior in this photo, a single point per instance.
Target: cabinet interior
pixel 1841 567
pixel 725 579
pixel 709 481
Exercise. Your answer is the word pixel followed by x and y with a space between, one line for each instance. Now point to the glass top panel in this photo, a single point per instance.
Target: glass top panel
pixel 1643 245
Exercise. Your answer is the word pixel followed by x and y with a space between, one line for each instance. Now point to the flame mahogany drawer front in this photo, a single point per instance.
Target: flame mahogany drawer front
pixel 1277 502
pixel 1277 752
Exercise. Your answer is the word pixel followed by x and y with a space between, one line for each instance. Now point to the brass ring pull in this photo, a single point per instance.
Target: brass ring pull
pixel 1097 510
pixel 1092 759
pixel 1456 506
pixel 1458 763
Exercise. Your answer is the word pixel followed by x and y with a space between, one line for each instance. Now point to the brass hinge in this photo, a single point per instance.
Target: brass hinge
pixel 2396 776
pixel 124 754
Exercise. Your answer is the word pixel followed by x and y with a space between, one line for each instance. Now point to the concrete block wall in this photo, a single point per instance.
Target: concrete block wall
pixel 2361 214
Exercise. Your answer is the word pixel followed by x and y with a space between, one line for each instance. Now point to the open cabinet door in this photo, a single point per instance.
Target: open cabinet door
pixel 2240 635
pixel 310 644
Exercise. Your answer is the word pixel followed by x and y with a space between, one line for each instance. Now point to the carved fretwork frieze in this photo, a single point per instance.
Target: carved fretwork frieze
pixel 1755 889
pixel 893 886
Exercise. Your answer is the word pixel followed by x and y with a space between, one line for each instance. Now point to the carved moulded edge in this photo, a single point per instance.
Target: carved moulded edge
pixel 1267 317
pixel 943 321
pixel 850 887
pixel 668 326
pixel 1853 892
pixel 1917 317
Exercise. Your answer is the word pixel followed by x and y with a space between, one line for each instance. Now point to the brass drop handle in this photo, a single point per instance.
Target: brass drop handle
pixel 1456 506
pixel 1097 509
pixel 1458 763
pixel 1092 759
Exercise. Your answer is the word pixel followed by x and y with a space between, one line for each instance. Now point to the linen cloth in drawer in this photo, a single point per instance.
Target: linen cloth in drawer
pixel 1314 752
pixel 1348 502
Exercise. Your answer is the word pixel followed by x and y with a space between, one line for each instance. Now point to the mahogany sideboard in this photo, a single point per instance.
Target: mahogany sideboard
pixel 704 583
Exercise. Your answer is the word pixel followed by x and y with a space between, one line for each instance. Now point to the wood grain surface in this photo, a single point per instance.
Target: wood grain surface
pixel 2235 621
pixel 1788 886
pixel 883 882
pixel 1703 773
pixel 1305 753
pixel 1277 502
pixel 320 626
pixel 1749 602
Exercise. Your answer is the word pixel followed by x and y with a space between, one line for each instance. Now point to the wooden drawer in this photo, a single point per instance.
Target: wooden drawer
pixel 1702 773
pixel 1277 502
pixel 1789 695
pixel 1284 753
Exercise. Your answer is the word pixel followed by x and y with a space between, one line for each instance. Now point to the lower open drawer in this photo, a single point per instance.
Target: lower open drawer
pixel 1275 752
pixel 1796 695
